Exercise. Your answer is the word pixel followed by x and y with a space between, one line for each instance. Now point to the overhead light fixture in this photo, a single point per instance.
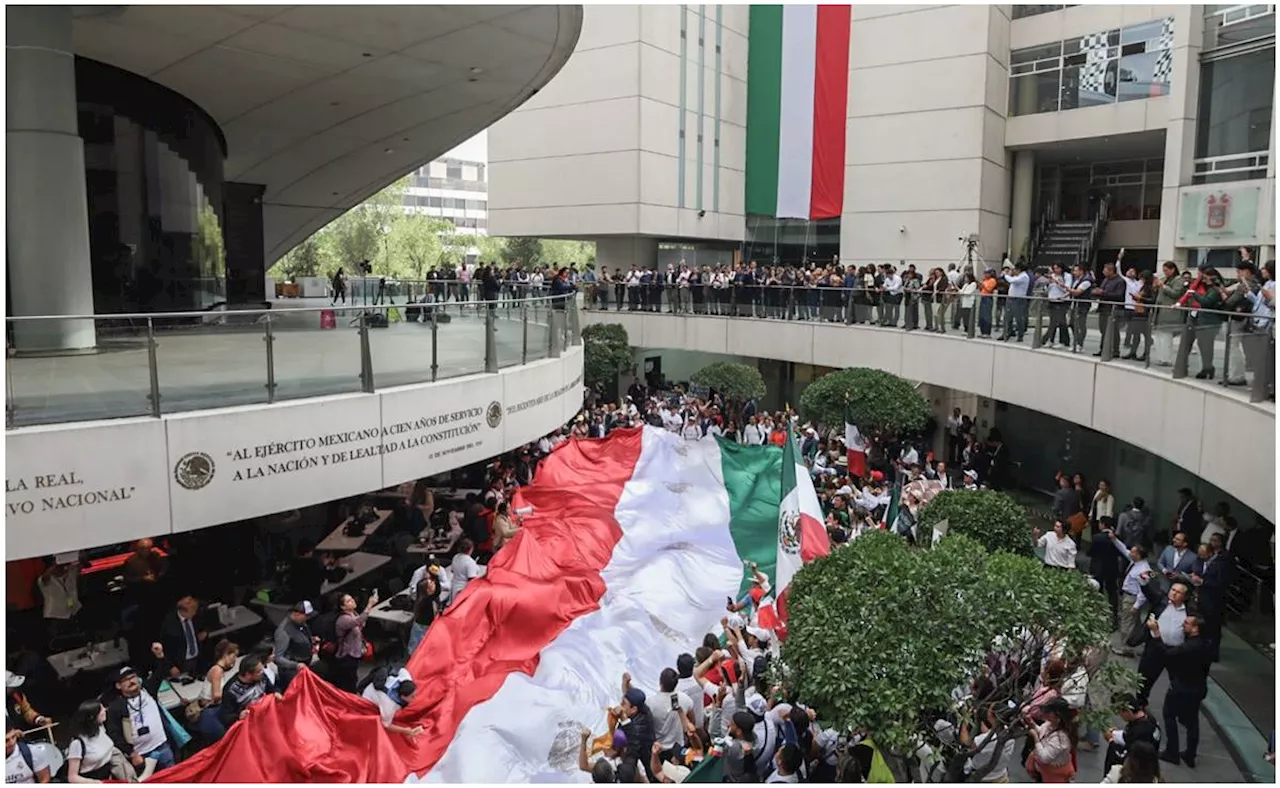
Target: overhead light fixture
pixel 387 150
pixel 477 71
pixel 366 54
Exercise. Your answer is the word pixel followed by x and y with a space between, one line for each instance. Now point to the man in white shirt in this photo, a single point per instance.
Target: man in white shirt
pixel 670 709
pixel 1059 548
pixel 1132 599
pixel 892 295
pixel 691 686
pixel 752 435
pixel 391 693
pixel 463 569
pixel 1015 312
pixel 1060 282
pixel 22 763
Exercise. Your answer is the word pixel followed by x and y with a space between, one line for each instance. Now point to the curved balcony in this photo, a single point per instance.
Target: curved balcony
pixel 1223 433
pixel 180 421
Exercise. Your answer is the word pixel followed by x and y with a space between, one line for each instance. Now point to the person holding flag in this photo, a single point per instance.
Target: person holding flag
pixel 801 535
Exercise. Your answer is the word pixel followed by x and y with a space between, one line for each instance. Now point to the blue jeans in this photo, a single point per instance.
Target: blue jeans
pixel 210 726
pixel 416 633
pixel 984 315
pixel 162 755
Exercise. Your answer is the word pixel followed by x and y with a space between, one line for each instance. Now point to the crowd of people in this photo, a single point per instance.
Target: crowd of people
pixel 1145 309
pixel 719 699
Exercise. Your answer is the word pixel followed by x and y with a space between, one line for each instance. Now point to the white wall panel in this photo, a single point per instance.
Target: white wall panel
pixel 922 85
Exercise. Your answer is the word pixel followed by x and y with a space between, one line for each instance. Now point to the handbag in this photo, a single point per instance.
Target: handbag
pixel 1077 522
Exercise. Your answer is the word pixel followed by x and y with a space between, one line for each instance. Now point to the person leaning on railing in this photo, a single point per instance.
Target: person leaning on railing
pixel 1167 320
pixel 1204 297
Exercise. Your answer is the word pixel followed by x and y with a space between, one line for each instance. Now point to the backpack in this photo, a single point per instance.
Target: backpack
pixel 25 750
pixel 378 677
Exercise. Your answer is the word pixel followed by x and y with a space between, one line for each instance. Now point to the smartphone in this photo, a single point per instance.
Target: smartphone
pixel 675 702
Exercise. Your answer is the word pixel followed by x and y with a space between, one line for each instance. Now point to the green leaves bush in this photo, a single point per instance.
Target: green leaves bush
pixel 876 399
pixel 881 632
pixel 606 353
pixel 737 382
pixel 992 519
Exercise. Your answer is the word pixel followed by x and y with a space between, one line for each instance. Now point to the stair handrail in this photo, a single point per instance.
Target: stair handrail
pixel 1031 246
pixel 1089 245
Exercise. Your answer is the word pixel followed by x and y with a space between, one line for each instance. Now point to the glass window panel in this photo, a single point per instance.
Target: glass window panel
pixel 1088 86
pixel 1032 54
pixel 1151 195
pixel 1035 93
pixel 1236 97
pixel 1126 202
pixel 1145 76
pixel 1141 33
pixel 1024 11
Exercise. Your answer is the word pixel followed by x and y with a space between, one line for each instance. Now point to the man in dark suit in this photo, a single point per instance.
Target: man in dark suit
pixel 1178 558
pixel 1211 575
pixel 1190 519
pixel 1188 666
pixel 181 636
pixel 1168 612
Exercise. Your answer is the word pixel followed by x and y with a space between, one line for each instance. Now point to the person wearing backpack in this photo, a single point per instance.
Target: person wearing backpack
pixel 21 763
pixel 91 755
pixel 390 688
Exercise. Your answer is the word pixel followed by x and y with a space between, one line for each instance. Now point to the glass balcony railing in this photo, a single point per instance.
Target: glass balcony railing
pixel 157 363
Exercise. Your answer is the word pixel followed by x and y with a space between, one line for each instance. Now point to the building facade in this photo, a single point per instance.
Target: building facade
pixel 453 189
pixel 1008 125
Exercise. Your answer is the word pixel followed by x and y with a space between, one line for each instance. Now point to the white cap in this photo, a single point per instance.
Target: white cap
pixel 12 680
pixel 674 773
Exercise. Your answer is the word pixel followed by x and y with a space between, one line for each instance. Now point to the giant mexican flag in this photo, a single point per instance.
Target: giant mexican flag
pixel 633 545
pixel 797 92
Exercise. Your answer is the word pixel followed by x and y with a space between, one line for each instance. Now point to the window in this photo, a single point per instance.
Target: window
pixel 1100 68
pixel 1235 105
pixel 1233 25
pixel 453 171
pixel 1024 11
pixel 476 205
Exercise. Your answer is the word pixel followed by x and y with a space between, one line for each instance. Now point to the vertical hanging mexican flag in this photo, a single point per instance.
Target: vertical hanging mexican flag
pixel 797 94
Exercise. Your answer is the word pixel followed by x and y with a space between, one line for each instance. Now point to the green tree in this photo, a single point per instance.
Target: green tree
pixel 876 401
pixel 734 381
pixel 524 250
pixel 577 255
pixel 991 518
pixel 880 633
pixel 305 259
pixel 417 240
pixel 210 252
pixel 606 353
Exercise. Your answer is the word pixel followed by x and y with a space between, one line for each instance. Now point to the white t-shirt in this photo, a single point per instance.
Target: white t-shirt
pixel 93 753
pixel 985 743
pixel 667 727
pixel 145 713
pixel 464 569
pixel 1059 552
pixel 15 768
pixel 697 693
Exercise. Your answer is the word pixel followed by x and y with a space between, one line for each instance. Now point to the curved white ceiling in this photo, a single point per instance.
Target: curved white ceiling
pixel 325 105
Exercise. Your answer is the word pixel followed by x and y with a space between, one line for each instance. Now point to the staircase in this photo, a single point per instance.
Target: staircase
pixel 1071 243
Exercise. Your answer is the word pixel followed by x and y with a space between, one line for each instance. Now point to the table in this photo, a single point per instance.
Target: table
pixel 339 542
pixel 437 545
pixel 98 656
pixel 358 565
pixel 242 618
pixel 172 694
pixel 384 612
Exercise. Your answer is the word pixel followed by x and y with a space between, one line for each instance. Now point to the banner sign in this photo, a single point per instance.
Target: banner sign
pixel 1219 216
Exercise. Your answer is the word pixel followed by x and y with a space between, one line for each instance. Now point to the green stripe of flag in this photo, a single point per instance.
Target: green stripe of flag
pixel 753 480
pixel 764 102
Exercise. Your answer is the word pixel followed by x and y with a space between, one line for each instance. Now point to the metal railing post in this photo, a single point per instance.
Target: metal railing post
pixel 848 307
pixel 1037 308
pixel 490 339
pixel 524 333
pixel 1110 334
pixel 269 338
pixel 366 357
pixel 154 368
pixel 435 345
pixel 9 408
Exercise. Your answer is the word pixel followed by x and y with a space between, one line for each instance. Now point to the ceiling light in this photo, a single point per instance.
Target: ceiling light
pixel 387 150
pixel 366 54
pixel 476 70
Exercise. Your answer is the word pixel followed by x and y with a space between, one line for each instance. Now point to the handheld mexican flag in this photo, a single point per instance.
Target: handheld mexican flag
pixel 797 69
pixel 855 446
pixel 801 535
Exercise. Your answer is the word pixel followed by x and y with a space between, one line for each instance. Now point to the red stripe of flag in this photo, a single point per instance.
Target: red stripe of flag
pixel 830 102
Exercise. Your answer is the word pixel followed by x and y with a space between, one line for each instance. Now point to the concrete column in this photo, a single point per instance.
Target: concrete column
pixel 1180 136
pixel 46 213
pixel 243 238
pixel 626 251
pixel 1024 181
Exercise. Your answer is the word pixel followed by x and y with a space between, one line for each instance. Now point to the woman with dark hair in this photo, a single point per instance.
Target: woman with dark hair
pixel 1141 765
pixel 89 749
pixel 1053 752
pixel 208 724
pixel 424 610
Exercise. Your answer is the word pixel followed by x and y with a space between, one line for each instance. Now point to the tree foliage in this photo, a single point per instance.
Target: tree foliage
pixel 606 354
pixel 877 401
pixel 991 518
pixel 880 633
pixel 406 244
pixel 734 381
